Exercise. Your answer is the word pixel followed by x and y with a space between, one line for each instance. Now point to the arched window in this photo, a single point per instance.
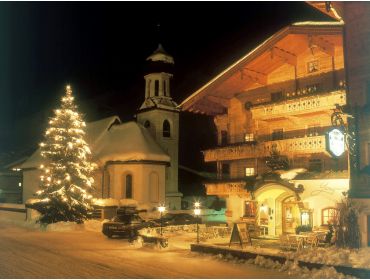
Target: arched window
pixel 156 88
pixel 166 129
pixel 147 124
pixel 129 186
pixel 329 215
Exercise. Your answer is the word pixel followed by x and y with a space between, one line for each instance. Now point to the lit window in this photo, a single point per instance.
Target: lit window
pixel 313 66
pixel 249 171
pixel 249 137
pixel 329 216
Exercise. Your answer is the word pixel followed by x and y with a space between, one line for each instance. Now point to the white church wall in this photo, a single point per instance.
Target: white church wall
pixel 141 183
pixel 31 183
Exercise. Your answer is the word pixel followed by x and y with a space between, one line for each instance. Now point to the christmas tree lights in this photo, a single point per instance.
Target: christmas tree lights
pixel 66 180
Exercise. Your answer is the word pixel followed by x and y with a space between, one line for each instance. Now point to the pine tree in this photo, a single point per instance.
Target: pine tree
pixel 66 181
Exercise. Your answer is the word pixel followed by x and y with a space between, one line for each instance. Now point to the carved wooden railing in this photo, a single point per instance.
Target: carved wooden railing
pixel 300 105
pixel 312 144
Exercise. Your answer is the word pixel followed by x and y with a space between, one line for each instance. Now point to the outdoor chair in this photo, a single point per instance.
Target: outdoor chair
pixel 284 241
pixel 295 242
pixel 312 240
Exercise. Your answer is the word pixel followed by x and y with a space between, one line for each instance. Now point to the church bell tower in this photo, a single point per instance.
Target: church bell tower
pixel 159 114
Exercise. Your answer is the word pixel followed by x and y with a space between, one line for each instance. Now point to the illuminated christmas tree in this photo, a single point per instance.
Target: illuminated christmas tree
pixel 66 181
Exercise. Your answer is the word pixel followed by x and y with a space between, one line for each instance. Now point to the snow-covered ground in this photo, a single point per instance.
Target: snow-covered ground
pixel 33 252
pixel 65 251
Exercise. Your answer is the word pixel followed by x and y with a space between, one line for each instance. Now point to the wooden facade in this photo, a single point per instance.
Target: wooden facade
pixel 278 98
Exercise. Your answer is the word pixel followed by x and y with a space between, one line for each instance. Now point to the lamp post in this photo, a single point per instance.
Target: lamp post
pixel 161 209
pixel 197 213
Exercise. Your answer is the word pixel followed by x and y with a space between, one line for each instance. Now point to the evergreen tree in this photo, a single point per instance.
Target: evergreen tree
pixel 348 232
pixel 66 181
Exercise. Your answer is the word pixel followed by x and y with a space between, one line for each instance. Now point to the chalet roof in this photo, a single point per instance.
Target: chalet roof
pixel 111 140
pixel 258 63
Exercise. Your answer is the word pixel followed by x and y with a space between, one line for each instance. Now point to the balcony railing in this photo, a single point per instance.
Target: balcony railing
pixel 226 188
pixel 300 105
pixel 309 144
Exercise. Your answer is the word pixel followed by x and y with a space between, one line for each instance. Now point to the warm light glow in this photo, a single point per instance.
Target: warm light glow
pixel 161 209
pixel 336 142
pixel 197 211
pixel 197 204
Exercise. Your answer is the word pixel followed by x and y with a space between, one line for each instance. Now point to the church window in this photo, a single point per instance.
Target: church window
pixel 166 129
pixel 129 186
pixel 156 88
pixel 147 124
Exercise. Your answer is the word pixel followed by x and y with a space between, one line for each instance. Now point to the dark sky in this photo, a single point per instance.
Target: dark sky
pixel 100 49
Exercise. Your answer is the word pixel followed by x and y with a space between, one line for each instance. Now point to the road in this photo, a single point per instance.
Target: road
pixel 29 253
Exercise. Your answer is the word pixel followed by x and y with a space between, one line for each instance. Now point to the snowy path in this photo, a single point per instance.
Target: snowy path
pixel 27 253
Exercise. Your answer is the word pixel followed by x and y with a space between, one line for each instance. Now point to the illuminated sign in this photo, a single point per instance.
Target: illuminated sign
pixel 335 142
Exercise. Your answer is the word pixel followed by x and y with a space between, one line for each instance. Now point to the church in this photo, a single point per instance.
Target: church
pixel 136 160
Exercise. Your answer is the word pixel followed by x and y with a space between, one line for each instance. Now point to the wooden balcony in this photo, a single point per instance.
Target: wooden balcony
pixel 227 188
pixel 302 145
pixel 311 104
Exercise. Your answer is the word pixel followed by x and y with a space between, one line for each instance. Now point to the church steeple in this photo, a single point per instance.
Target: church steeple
pixel 160 116
pixel 159 72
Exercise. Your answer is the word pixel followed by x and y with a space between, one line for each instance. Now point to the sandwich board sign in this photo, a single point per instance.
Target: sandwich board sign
pixel 240 234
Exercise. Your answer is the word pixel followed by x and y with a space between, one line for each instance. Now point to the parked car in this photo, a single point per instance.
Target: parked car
pixel 127 223
pixel 178 219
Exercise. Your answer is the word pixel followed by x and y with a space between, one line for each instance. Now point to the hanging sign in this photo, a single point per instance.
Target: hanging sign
pixel 240 234
pixel 335 144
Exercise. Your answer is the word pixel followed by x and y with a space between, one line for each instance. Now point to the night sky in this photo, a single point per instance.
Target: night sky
pixel 100 49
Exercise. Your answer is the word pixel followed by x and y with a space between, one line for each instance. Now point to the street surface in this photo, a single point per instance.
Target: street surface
pixel 29 253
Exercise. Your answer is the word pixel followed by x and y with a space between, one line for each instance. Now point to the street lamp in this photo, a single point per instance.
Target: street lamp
pixel 197 213
pixel 161 209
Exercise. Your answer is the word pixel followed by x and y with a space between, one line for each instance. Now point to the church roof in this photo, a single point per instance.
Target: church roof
pixel 161 55
pixel 111 140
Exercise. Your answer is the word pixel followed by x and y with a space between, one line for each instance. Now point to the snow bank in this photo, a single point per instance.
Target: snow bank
pixel 333 256
pixel 290 267
pixel 105 202
pixel 64 226
pixel 128 202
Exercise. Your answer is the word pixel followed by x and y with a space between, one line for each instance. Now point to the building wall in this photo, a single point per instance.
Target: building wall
pixel 31 183
pixel 156 117
pixel 143 185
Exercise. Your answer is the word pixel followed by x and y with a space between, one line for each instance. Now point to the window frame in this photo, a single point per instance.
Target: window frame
pixel 334 217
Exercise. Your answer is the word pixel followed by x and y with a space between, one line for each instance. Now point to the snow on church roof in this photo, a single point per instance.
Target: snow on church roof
pixel 111 140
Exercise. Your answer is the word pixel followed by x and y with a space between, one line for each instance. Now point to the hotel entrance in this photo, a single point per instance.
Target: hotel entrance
pixel 278 210
pixel 290 216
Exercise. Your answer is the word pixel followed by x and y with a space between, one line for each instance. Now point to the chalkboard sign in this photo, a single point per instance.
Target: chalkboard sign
pixel 240 234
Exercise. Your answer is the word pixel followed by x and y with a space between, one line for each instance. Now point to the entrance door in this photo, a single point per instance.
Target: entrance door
pixel 290 217
pixel 368 230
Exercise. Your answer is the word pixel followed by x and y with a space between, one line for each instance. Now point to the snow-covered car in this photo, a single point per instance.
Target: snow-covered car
pixel 178 219
pixel 125 225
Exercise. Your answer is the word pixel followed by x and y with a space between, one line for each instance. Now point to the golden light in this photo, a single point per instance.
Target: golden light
pixel 161 209
pixel 197 211
pixel 197 204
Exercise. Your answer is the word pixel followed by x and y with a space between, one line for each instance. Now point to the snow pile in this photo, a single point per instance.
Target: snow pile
pixel 32 200
pixel 333 256
pixel 290 267
pixel 290 174
pixel 64 226
pixel 128 202
pixel 94 225
pixel 105 202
